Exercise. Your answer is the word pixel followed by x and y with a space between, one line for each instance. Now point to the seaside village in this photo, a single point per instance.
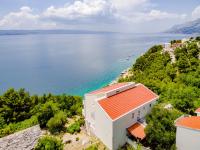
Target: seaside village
pixel 115 115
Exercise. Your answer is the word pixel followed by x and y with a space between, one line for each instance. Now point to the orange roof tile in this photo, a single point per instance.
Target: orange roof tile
pixel 123 102
pixel 192 122
pixel 109 88
pixel 197 110
pixel 137 130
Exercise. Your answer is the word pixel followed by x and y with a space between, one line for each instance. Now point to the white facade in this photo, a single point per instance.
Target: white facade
pixel 187 139
pixel 121 124
pixel 113 133
pixel 97 121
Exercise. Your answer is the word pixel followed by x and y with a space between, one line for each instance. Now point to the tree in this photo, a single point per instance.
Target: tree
pixel 15 105
pixel 49 143
pixel 160 131
pixel 45 114
pixel 56 123
pixel 183 64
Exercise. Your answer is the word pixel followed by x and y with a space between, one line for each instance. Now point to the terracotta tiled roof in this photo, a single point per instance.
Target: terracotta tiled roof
pixel 197 110
pixel 137 130
pixel 192 122
pixel 109 88
pixel 121 103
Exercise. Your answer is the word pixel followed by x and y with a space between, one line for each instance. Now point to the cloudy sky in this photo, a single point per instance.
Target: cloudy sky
pixel 101 15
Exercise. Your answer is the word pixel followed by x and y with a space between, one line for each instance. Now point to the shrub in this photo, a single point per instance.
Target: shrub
pixel 2 122
pixel 81 121
pixel 49 143
pixel 45 115
pixel 75 127
pixel 14 127
pixel 56 123
pixel 92 147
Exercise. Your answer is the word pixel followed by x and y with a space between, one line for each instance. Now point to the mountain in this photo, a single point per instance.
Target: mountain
pixel 25 32
pixel 191 27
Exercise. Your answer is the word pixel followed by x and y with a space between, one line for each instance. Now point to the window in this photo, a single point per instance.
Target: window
pixel 133 115
pixel 149 105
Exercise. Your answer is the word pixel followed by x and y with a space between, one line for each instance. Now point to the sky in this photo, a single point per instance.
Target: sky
pixel 138 16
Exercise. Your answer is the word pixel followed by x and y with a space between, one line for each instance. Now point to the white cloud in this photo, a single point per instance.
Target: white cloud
pixel 91 13
pixel 196 13
pixel 127 4
pixel 157 14
pixel 152 15
pixel 80 9
pixel 23 19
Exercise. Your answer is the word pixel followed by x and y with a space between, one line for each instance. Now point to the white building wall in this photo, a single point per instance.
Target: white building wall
pixel 120 125
pixel 104 127
pixel 187 139
pixel 97 121
pixel 198 113
pixel 89 108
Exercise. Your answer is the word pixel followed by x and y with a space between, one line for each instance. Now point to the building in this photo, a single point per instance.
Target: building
pixel 188 133
pixel 116 112
pixel 197 111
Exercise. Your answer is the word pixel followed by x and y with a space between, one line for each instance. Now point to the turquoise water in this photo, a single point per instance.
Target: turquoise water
pixel 69 63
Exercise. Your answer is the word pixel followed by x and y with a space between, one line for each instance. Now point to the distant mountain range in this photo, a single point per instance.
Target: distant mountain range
pixel 26 32
pixel 192 27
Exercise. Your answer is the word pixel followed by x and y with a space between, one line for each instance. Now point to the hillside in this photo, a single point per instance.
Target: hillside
pixel 191 27
pixel 177 84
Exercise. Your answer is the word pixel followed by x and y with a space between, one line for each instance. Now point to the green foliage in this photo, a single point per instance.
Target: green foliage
pixel 49 143
pixel 2 122
pixel 92 147
pixel 175 41
pixel 15 105
pixel 198 38
pixel 160 130
pixel 14 127
pixel 176 83
pixel 46 113
pixel 19 110
pixel 56 123
pixel 75 127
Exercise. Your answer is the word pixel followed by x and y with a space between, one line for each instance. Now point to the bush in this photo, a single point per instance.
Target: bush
pixel 75 127
pixel 160 131
pixel 47 111
pixel 81 121
pixel 14 127
pixel 56 123
pixel 49 143
pixel 2 122
pixel 92 147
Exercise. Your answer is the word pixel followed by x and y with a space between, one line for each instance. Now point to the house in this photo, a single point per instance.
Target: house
pixel 188 133
pixel 116 112
pixel 197 111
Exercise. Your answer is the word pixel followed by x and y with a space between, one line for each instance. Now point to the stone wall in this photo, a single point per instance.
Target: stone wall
pixel 22 140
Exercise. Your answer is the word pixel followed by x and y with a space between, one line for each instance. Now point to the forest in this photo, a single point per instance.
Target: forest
pixel 19 110
pixel 176 83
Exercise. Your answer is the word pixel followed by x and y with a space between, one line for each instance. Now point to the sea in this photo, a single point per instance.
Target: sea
pixel 69 62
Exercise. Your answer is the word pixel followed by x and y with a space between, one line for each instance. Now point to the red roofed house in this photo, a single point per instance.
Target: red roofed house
pixel 115 112
pixel 188 133
pixel 197 111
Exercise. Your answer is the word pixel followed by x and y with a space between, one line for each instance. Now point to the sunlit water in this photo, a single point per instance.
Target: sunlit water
pixel 69 63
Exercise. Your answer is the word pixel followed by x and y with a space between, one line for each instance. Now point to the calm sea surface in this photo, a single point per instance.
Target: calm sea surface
pixel 69 63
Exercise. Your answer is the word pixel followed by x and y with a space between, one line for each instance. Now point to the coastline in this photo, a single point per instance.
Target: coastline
pixel 125 73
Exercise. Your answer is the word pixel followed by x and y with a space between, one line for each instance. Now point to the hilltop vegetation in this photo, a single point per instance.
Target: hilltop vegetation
pixel 176 83
pixel 20 110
